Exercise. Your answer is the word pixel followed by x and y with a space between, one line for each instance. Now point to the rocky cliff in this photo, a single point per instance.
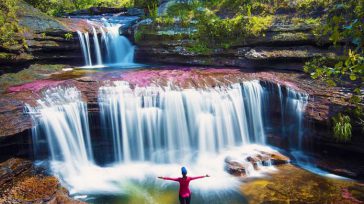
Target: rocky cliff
pixel 285 45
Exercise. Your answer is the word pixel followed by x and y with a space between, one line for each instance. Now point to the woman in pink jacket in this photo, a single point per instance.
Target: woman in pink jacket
pixel 184 182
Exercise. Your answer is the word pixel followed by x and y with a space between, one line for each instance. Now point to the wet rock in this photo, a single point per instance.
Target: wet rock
pixel 276 158
pixel 242 166
pixel 21 182
pixel 234 167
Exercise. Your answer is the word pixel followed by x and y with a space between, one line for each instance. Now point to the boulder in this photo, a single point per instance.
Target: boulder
pixel 242 166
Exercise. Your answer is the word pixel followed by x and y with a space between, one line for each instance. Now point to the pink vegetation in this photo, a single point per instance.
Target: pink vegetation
pixel 34 86
pixel 180 77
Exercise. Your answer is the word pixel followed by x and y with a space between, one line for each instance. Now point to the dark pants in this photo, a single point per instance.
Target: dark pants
pixel 185 200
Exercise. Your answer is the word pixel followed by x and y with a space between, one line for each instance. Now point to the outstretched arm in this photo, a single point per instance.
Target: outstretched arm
pixel 168 178
pixel 198 177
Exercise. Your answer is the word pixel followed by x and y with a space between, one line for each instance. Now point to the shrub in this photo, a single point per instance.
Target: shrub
pixel 68 36
pixel 342 127
pixel 10 31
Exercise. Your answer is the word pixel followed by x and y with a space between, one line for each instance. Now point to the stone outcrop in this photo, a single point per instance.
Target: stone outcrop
pixel 242 166
pixel 21 182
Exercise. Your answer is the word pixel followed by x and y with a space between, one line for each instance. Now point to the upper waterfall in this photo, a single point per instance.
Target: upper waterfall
pixel 108 46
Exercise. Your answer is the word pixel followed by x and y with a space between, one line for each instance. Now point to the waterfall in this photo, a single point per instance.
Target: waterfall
pixel 97 47
pixel 104 41
pixel 62 117
pixel 84 48
pixel 154 130
pixel 292 108
pixel 118 51
pixel 155 119
pixel 253 93
pixel 121 51
pixel 87 40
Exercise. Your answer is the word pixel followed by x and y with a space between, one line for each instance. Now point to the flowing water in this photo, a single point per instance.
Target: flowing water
pixel 109 47
pixel 154 131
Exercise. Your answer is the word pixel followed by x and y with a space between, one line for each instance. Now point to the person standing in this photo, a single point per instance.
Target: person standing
pixel 184 182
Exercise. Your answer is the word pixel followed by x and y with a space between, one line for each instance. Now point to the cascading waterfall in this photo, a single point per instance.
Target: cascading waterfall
pixel 111 49
pixel 154 128
pixel 63 118
pixel 161 123
pixel 121 51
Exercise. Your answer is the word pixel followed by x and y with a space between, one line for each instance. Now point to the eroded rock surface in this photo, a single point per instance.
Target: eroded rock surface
pixel 21 182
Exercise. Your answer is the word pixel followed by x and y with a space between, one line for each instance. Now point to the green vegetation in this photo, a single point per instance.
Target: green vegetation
pixel 211 30
pixel 342 127
pixel 58 7
pixel 68 36
pixel 344 26
pixel 10 31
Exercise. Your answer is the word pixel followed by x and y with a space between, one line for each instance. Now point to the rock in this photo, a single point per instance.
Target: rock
pixel 135 12
pixel 45 39
pixel 98 11
pixel 253 159
pixel 234 167
pixel 12 168
pixel 21 182
pixel 277 158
